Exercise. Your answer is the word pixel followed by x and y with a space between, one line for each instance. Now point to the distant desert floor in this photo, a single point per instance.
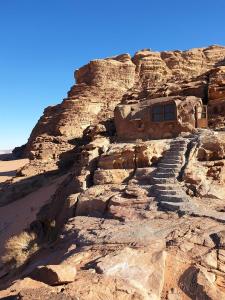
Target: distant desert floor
pixel 18 215
pixel 8 168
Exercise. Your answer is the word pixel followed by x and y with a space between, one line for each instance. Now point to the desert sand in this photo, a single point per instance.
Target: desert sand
pixel 8 168
pixel 17 216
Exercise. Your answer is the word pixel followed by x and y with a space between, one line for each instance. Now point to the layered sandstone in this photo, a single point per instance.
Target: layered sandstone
pixel 139 219
pixel 101 84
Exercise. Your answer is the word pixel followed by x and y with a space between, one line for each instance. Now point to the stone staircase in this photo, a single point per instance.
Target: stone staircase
pixel 166 186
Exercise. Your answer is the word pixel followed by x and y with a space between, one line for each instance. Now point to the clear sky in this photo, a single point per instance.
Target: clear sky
pixel 42 42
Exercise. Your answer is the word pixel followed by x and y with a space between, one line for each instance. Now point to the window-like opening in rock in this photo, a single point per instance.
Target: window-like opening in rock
pixel 139 124
pixel 204 112
pixel 158 113
pixel 169 112
pixel 164 112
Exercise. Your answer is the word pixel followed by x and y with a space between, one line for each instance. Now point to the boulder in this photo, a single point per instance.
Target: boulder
pixel 94 201
pixel 212 146
pixel 54 274
pixel 129 156
pixel 142 268
pixel 114 176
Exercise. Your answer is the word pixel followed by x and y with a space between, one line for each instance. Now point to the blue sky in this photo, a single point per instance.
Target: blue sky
pixel 42 42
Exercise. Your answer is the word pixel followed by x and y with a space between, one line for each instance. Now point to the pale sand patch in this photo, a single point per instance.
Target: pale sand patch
pixel 18 215
pixel 8 168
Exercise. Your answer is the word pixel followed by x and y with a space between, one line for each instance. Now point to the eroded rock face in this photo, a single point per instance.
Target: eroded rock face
pixel 205 171
pixel 212 147
pixel 102 84
pixel 216 96
pixel 138 220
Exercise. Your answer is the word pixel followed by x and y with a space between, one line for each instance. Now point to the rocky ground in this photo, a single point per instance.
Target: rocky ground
pixel 96 217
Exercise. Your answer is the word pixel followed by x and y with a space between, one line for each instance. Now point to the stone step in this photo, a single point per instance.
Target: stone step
pixel 169 166
pixel 163 187
pixel 174 151
pixel 179 140
pixel 179 143
pixel 178 148
pixel 170 180
pixel 168 170
pixel 171 161
pixel 165 175
pixel 171 156
pixel 171 198
pixel 174 147
pixel 169 192
pixel 169 206
pixel 179 158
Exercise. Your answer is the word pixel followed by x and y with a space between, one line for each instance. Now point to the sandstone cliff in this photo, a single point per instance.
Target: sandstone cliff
pixel 101 84
pixel 138 219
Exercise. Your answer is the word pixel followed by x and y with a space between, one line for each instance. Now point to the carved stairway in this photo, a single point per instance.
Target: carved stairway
pixel 166 186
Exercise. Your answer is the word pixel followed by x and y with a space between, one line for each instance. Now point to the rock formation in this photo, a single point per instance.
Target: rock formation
pixel 130 218
pixel 101 84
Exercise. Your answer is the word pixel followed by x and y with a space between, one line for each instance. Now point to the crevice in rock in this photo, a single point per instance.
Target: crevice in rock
pixel 206 96
pixel 188 283
pixel 135 162
pixel 75 205
pixel 190 146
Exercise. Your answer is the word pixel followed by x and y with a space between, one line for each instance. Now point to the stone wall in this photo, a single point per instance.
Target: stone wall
pixel 134 121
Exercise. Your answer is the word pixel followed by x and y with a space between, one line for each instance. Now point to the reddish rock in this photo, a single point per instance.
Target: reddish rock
pixel 104 83
pixel 55 274
pixel 121 205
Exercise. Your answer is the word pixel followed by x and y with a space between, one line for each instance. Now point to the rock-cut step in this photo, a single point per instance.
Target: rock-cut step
pixel 163 187
pixel 171 198
pixel 179 142
pixel 168 170
pixel 182 148
pixel 169 165
pixel 173 156
pixel 166 175
pixel 169 206
pixel 175 151
pixel 171 160
pixel 164 180
pixel 168 192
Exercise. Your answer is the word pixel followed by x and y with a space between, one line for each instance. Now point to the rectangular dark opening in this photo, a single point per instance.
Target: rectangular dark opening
pixel 164 112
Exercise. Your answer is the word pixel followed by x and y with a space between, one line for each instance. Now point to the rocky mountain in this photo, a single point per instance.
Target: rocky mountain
pixel 127 218
pixel 102 84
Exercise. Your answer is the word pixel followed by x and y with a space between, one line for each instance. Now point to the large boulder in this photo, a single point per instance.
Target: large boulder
pixel 112 176
pixel 55 274
pixel 142 268
pixel 212 146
